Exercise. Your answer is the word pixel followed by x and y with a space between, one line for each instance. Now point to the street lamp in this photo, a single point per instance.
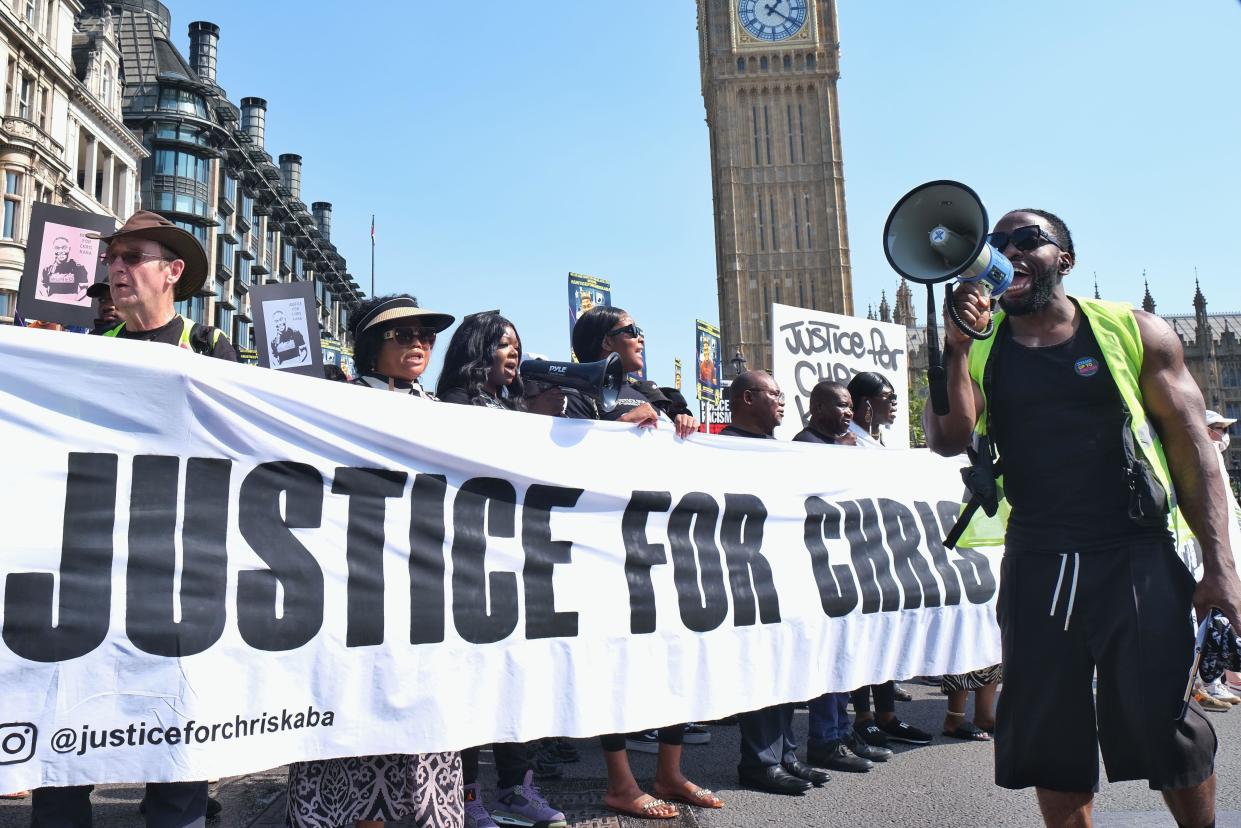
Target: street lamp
pixel 738 363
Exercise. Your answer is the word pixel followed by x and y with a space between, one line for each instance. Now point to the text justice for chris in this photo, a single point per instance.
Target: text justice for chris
pixel 884 540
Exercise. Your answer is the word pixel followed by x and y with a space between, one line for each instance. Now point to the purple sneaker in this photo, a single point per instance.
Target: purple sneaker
pixel 523 806
pixel 476 815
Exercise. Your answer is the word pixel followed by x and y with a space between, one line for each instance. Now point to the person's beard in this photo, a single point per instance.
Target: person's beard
pixel 1042 286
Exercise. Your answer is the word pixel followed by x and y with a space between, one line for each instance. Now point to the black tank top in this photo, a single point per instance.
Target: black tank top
pixel 1057 418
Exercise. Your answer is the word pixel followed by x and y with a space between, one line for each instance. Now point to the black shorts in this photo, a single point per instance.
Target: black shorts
pixel 1124 613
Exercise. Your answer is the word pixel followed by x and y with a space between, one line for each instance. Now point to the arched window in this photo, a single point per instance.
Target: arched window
pixel 809 61
pixel 788 62
pixel 740 64
pixel 762 63
pixel 105 86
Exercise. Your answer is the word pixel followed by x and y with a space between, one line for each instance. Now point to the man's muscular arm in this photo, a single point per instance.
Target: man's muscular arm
pixel 952 433
pixel 1175 407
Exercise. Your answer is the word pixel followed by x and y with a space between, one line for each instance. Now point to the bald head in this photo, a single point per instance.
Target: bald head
pixel 756 402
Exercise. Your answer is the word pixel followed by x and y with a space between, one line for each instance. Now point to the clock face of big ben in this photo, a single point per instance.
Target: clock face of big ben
pixel 772 20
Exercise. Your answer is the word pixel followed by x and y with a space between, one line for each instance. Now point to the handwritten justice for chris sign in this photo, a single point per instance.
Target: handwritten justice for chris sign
pixel 810 346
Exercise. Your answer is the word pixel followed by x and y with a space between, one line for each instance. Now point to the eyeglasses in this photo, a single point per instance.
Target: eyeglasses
pixel 631 330
pixel 890 397
pixel 131 258
pixel 406 337
pixel 778 396
pixel 1024 239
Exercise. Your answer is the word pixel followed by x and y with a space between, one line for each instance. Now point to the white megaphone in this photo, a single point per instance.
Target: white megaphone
pixel 938 231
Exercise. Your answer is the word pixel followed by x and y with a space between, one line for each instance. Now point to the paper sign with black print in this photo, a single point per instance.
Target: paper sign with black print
pixel 286 328
pixel 62 261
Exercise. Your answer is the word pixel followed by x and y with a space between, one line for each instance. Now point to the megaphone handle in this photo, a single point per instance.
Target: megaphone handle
pixel 936 376
pixel 961 326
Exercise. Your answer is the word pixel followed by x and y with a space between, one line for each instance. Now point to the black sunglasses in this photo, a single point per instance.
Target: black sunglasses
pixel 1024 239
pixel 131 258
pixel 631 330
pixel 407 336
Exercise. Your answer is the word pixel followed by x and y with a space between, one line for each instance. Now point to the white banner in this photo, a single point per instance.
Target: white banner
pixel 809 346
pixel 211 569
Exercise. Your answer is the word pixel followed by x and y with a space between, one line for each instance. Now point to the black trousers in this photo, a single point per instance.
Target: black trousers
pixel 673 735
pixel 885 698
pixel 512 762
pixel 168 805
pixel 767 737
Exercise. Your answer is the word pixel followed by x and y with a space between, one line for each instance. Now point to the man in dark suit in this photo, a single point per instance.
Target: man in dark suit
pixel 768 752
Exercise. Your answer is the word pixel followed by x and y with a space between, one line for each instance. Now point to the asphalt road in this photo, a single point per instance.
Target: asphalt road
pixel 947 783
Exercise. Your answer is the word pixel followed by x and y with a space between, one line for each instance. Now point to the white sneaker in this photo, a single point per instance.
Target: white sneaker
pixel 1218 691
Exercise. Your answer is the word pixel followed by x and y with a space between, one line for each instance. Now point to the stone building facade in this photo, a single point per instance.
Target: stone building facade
pixel 208 170
pixel 769 87
pixel 62 137
pixel 1212 344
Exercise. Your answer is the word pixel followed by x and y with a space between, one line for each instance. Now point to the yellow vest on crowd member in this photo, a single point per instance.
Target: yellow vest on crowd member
pixel 1116 331
pixel 187 326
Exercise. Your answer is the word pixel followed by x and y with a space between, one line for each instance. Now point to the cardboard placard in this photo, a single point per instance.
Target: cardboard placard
pixel 62 261
pixel 286 328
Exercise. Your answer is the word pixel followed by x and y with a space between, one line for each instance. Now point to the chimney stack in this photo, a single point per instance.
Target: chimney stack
pixel 254 118
pixel 322 211
pixel 291 173
pixel 204 42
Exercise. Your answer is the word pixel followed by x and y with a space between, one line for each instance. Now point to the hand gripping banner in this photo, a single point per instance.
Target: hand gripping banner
pixel 212 569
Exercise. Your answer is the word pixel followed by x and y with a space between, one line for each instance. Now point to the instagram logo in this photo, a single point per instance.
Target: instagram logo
pixel 17 741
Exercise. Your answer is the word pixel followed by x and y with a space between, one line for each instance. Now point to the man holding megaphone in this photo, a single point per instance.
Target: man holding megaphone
pixel 1090 416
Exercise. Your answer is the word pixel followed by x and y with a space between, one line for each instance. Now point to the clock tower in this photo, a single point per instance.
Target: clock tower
pixel 769 71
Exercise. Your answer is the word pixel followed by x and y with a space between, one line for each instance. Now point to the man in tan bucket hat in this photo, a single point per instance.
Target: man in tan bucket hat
pixel 153 264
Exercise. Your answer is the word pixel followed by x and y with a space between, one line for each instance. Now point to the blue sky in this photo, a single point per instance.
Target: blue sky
pixel 501 148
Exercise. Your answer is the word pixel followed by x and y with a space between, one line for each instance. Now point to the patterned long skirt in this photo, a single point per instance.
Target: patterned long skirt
pixel 333 792
pixel 971 681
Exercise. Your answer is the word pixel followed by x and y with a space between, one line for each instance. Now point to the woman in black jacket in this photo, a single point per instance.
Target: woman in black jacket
pixel 597 333
pixel 480 368
pixel 607 330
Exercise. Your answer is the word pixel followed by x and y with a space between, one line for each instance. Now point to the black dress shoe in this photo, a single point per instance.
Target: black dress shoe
pixel 901 694
pixel 871 752
pixel 834 756
pixel 813 775
pixel 773 779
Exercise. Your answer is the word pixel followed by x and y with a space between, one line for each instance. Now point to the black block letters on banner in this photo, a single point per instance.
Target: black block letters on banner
pixel 426 559
pixel 149 599
pixel 85 572
pixel 291 564
pixel 864 555
pixel 484 605
pixel 749 573
pixel 542 554
pixel 367 489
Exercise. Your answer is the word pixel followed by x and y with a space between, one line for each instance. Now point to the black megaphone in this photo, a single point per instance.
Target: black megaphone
pixel 601 380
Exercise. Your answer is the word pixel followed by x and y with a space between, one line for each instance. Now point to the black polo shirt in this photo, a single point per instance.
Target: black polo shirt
pixel 733 431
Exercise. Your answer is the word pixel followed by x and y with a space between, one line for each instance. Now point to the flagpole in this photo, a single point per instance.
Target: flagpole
pixel 372 255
